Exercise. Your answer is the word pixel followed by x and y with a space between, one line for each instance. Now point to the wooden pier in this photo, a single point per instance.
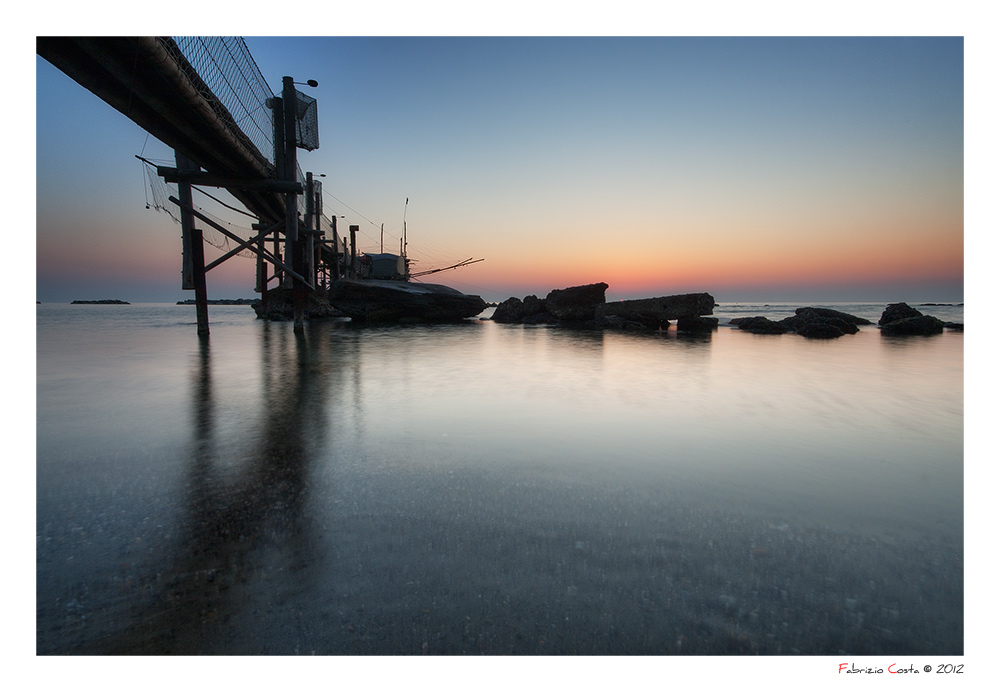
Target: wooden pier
pixel 153 83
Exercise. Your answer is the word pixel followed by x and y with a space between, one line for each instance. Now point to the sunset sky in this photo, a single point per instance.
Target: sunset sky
pixel 781 169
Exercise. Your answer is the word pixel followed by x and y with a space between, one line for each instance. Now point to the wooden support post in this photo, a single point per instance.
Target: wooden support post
pixel 193 247
pixel 187 223
pixel 309 251
pixel 200 290
pixel 354 251
pixel 336 249
pixel 262 273
pixel 293 239
pixel 278 274
pixel 318 256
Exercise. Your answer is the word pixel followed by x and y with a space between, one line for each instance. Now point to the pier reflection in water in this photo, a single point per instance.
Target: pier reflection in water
pixel 242 520
pixel 480 489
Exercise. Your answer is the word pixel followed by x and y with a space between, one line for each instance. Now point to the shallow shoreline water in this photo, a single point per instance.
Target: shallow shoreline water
pixel 496 489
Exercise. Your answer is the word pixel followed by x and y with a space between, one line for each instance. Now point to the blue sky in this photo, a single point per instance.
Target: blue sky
pixel 751 168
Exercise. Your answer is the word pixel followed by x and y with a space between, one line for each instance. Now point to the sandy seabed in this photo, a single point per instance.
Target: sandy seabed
pixel 449 566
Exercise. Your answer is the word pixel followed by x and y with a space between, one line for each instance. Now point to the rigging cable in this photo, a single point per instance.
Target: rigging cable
pixel 240 211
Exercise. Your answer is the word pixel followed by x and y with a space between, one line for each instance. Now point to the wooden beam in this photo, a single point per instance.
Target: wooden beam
pixel 174 175
pixel 235 237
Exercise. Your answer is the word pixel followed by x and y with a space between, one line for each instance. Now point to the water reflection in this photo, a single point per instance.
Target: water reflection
pixel 480 488
pixel 241 525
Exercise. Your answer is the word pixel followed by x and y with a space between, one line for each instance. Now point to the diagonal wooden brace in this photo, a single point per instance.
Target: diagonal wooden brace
pixel 243 244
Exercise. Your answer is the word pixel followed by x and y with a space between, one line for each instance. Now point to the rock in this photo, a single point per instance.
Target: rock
pixel 822 323
pixel 509 311
pixel 106 301
pixel 897 311
pixel 652 312
pixel 377 300
pixel 955 326
pixel 823 329
pixel 535 311
pixel 760 325
pixel 805 323
pixel 577 303
pixel 616 323
pixel 531 310
pixel 540 318
pixel 899 319
pixel 280 307
pixel 913 326
pixel 810 313
pixel 697 324
pixel 586 304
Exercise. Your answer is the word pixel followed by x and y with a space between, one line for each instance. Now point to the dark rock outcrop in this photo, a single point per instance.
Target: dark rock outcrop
pixel 697 324
pixel 827 313
pixel 615 323
pixel 280 306
pixel 921 325
pixel 818 325
pixel 375 300
pixel 897 311
pixel 577 303
pixel 586 305
pixel 759 325
pixel 955 326
pixel 899 319
pixel 824 329
pixel 812 323
pixel 531 310
pixel 653 312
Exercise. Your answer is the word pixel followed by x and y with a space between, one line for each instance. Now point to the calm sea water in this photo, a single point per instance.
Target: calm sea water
pixel 487 488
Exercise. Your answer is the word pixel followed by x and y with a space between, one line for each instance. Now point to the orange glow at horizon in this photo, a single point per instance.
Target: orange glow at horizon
pixel 702 261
